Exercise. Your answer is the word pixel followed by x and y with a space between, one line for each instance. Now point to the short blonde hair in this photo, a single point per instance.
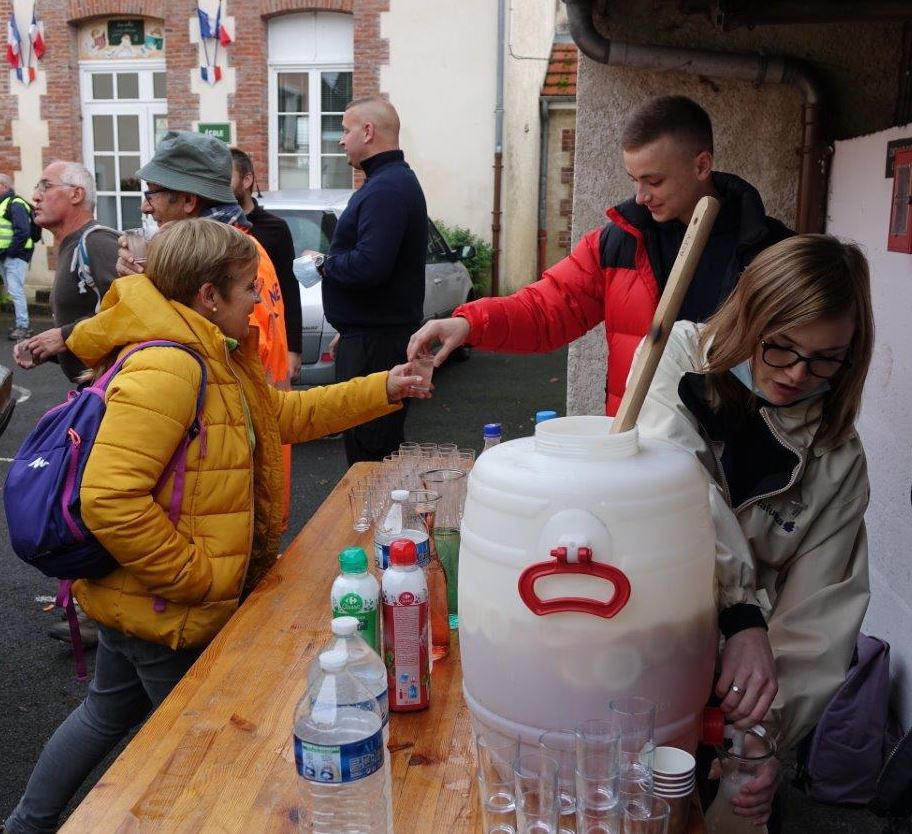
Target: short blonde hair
pixel 795 282
pixel 186 254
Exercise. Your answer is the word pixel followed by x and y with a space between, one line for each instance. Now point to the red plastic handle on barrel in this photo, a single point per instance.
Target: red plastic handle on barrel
pixel 585 566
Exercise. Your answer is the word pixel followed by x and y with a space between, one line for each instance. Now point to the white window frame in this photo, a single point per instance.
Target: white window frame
pixel 146 107
pixel 313 70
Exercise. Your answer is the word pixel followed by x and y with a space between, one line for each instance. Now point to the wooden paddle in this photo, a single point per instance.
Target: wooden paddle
pixel 650 353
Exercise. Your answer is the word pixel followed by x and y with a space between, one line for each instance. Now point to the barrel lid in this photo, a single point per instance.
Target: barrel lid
pixel 353 560
pixel 399 495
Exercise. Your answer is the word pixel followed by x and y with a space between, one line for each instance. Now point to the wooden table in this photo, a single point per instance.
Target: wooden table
pixel 217 755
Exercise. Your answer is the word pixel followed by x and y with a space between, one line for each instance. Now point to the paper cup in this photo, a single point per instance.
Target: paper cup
pixel 672 761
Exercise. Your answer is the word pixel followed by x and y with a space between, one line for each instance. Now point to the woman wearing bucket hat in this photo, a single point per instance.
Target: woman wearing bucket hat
pixel 766 394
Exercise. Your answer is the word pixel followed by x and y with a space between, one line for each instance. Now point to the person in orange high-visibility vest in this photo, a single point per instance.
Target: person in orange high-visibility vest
pixel 269 318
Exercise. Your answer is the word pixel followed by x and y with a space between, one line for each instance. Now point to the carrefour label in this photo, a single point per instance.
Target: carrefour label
pixel 339 764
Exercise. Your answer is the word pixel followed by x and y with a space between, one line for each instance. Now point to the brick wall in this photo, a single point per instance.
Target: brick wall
pixel 9 154
pixel 182 60
pixel 249 106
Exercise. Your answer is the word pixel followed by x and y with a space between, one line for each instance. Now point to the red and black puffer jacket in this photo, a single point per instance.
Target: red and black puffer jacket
pixel 615 274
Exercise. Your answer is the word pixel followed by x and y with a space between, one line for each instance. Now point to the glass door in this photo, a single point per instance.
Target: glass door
pixel 124 118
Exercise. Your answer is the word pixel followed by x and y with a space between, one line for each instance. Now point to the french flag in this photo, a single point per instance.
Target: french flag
pixel 211 74
pixel 36 38
pixel 13 44
pixel 211 29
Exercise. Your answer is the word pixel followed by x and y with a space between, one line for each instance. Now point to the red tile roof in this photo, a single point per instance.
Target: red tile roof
pixel 560 79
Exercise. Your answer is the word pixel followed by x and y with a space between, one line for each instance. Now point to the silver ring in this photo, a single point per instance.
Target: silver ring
pixel 736 689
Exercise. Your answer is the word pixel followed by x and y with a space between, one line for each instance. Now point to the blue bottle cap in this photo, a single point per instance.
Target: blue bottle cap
pixel 492 430
pixel 541 416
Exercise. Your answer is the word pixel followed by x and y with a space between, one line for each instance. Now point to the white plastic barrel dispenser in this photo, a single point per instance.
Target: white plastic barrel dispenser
pixel 585 573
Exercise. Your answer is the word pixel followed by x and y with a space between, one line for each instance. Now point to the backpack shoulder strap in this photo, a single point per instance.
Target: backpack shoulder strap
pixel 81 266
pixel 178 463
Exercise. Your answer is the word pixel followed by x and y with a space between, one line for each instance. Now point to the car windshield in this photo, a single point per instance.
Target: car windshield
pixel 310 228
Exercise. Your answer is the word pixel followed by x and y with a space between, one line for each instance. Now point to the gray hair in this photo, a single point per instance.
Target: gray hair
pixel 6 181
pixel 75 173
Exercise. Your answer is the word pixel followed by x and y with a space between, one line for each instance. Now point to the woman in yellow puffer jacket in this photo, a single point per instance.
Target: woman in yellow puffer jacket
pixel 178 585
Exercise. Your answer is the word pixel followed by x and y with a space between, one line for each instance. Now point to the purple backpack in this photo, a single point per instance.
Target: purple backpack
pixel 41 494
pixel 846 752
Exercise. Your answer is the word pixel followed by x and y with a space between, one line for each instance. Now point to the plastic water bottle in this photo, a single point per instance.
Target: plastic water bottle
pixel 367 666
pixel 363 663
pixel 406 630
pixel 338 744
pixel 492 435
pixel 356 593
pixel 402 521
pixel 388 528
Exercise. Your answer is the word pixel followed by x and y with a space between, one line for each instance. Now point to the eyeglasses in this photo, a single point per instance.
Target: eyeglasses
pixel 150 194
pixel 45 185
pixel 823 367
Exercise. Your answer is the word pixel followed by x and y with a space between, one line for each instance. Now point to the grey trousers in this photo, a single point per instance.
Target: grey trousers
pixel 132 677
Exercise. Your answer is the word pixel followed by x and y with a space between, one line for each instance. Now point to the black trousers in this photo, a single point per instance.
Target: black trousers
pixel 359 354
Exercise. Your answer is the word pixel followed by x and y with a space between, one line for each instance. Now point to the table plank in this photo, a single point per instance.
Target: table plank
pixel 217 755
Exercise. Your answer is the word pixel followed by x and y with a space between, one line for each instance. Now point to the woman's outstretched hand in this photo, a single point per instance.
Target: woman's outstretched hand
pixel 402 382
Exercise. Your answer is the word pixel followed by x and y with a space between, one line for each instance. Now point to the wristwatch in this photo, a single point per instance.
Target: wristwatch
pixel 319 261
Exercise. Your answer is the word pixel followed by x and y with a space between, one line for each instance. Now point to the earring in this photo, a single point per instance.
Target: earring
pixel 214 309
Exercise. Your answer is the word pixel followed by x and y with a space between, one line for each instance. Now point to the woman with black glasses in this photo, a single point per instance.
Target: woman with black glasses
pixel 766 394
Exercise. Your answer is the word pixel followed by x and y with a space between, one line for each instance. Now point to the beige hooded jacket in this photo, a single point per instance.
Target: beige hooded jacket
pixel 797 550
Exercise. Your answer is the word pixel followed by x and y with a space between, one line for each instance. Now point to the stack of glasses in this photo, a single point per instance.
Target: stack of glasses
pixel 441 468
pixel 596 779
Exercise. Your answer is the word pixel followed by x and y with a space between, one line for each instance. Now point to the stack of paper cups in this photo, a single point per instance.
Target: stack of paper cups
pixel 674 779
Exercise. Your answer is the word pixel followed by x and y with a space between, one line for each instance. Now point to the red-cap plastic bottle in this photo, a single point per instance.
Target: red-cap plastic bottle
pixel 404 594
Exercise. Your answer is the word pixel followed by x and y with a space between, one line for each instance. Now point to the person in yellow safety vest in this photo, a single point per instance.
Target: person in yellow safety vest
pixel 16 248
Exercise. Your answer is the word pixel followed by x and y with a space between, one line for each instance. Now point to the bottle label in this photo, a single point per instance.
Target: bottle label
pixel 405 629
pixel 365 611
pixel 340 763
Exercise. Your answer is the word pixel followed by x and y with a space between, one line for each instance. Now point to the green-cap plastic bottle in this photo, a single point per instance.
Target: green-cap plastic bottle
pixel 356 593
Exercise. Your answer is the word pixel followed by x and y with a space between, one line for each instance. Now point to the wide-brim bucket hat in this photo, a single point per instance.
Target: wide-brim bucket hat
pixel 193 162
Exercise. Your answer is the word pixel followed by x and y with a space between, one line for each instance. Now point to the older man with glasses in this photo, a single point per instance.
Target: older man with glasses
pixel 64 200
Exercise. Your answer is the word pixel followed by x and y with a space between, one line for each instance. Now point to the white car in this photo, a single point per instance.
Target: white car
pixel 312 215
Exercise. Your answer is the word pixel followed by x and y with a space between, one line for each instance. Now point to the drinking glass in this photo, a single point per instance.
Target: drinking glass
pixel 498 808
pixel 634 719
pixel 496 753
pixel 597 776
pixel 560 745
pixel 136 243
pixel 446 455
pixel 645 815
pixel 466 459
pixel 359 499
pixel 537 796
pixel 423 366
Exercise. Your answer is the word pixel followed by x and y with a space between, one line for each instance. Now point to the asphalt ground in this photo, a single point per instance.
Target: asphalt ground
pixel 39 687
